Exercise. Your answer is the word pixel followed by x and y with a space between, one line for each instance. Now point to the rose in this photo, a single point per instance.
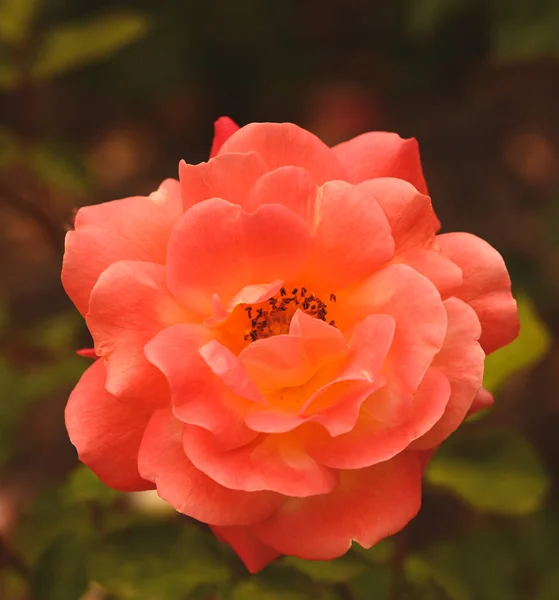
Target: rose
pixel 283 338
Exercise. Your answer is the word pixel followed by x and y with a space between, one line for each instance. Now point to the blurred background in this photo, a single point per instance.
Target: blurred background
pixel 99 99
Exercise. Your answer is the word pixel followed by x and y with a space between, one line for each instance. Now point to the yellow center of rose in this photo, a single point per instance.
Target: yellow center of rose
pixel 273 316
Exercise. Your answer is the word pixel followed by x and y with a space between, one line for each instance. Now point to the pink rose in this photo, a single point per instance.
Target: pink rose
pixel 283 338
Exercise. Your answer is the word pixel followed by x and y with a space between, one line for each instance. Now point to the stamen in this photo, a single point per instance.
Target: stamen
pixel 276 320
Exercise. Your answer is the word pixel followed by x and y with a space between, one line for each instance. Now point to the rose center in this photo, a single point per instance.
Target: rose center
pixel 273 316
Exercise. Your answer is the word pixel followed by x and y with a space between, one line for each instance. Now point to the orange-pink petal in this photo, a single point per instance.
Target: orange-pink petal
pixel 351 237
pixel 163 461
pixel 281 144
pixel 129 305
pixel 229 176
pixel 218 248
pixel 249 548
pixel 367 506
pixel 416 306
pixel 130 229
pixel 275 463
pixel 106 432
pixel 461 360
pixel 381 154
pixel 486 287
pixel 224 128
pixel 372 442
pixel 198 395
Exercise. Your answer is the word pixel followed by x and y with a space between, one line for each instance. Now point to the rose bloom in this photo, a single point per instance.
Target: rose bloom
pixel 282 338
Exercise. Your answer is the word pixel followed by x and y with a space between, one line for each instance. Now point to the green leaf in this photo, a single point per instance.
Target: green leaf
pixel 480 566
pixel 16 17
pixel 532 343
pixel 372 584
pixel 74 45
pixel 158 560
pixel 59 167
pixel 61 571
pixel 335 571
pixel 84 486
pixel 495 471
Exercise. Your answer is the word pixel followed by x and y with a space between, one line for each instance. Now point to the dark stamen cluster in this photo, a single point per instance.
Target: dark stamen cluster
pixel 263 322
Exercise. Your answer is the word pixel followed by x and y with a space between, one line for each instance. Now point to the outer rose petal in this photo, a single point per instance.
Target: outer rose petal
pixel 131 229
pixel 410 213
pixel 229 176
pixel 281 144
pixel 105 432
pixel 218 248
pixel 352 237
pixel 276 463
pixel 129 305
pixel 381 154
pixel 224 128
pixel 163 461
pixel 367 506
pixel 461 360
pixel 413 224
pixel 483 400
pixel 198 396
pixel 486 287
pixel 250 549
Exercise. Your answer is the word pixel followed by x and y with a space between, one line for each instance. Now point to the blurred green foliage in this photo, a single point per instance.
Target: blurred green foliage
pixel 79 539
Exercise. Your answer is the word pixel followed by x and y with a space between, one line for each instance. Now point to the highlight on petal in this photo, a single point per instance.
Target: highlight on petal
pixel 250 549
pixel 224 128
pixel 461 360
pixel 130 229
pixel 106 432
pixel 381 154
pixel 367 506
pixel 282 144
pixel 351 236
pixel 163 461
pixel 486 287
pixel 229 176
pixel 218 248
pixel 129 305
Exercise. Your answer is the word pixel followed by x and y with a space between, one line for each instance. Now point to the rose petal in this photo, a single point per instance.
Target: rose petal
pixel 275 463
pixel 486 287
pixel 250 549
pixel 229 176
pixel 106 432
pixel 217 248
pixel 415 304
pixel 199 397
pixel 461 360
pixel 381 154
pixel 367 506
pixel 281 144
pixel 352 237
pixel 292 187
pixel 129 305
pixel 131 229
pixel 163 461
pixel 371 441
pixel 224 128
